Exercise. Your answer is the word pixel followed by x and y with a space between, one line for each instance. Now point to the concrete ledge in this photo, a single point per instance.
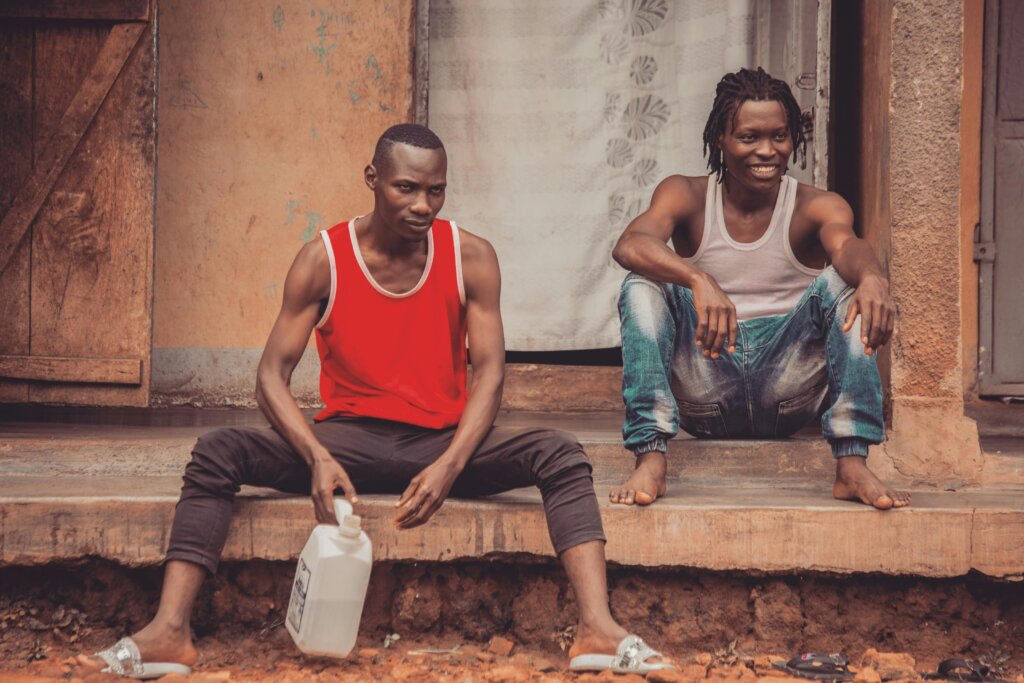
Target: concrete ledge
pixel 71 491
pixel 772 530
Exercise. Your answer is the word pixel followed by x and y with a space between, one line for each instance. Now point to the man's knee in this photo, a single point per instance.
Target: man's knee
pixel 830 284
pixel 216 459
pixel 559 452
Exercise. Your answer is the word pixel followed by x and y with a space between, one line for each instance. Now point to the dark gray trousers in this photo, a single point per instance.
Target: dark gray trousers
pixel 381 457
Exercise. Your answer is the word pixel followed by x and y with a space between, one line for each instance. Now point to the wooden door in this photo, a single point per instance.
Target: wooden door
pixel 1000 247
pixel 77 144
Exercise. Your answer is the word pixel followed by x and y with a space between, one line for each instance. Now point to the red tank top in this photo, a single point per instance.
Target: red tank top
pixel 398 357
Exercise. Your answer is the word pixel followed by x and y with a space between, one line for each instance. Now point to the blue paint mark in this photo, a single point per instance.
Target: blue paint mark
pixel 385 107
pixel 354 96
pixel 374 67
pixel 313 222
pixel 290 206
pixel 278 18
pixel 270 291
pixel 312 132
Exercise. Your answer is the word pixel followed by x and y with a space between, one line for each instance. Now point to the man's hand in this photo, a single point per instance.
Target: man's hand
pixel 426 493
pixel 328 476
pixel 877 313
pixel 716 317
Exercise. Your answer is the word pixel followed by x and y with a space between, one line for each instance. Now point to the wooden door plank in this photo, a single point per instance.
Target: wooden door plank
pixel 76 120
pixel 88 370
pixel 92 240
pixel 16 152
pixel 87 10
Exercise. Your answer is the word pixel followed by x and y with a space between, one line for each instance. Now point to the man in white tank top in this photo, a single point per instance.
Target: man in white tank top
pixel 741 328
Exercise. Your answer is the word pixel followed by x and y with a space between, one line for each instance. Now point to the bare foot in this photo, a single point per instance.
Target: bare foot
pixel 605 642
pixel 646 483
pixel 157 643
pixel 854 481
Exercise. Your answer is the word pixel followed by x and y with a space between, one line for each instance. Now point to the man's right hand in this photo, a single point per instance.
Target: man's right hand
pixel 329 476
pixel 716 317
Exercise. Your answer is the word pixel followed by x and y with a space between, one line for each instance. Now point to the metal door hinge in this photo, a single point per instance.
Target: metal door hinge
pixel 985 252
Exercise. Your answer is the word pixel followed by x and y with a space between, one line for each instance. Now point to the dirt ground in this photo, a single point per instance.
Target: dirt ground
pixel 498 621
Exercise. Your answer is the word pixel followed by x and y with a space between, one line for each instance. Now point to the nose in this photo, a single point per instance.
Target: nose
pixel 420 205
pixel 765 148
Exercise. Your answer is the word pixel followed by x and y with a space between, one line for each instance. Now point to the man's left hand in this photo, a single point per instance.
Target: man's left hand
pixel 877 313
pixel 425 494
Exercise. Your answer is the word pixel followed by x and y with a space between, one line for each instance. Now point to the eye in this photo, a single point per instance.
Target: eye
pixel 746 138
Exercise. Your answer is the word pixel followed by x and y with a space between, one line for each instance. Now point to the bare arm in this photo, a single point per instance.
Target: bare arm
pixel 305 287
pixel 856 263
pixel 643 248
pixel 428 490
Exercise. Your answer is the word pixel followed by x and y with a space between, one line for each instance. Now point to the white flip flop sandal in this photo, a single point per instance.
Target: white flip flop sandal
pixel 123 659
pixel 630 658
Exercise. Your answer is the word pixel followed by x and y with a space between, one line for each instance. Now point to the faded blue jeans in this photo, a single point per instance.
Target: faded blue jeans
pixel 786 368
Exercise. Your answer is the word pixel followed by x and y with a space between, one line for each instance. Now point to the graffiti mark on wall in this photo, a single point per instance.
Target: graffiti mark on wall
pixel 278 18
pixel 313 220
pixel 184 96
pixel 326 37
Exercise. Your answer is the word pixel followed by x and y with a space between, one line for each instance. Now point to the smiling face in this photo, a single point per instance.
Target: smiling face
pixel 756 145
pixel 409 189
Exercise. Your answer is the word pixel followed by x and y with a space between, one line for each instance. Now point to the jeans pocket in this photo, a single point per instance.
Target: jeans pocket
pixel 703 420
pixel 795 413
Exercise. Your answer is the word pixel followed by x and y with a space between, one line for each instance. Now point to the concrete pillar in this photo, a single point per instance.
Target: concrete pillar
pixel 930 440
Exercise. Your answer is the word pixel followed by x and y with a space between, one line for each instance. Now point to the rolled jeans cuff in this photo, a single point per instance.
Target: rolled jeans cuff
pixel 849 446
pixel 657 444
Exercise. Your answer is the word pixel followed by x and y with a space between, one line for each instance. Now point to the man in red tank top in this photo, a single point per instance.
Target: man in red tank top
pixel 391 297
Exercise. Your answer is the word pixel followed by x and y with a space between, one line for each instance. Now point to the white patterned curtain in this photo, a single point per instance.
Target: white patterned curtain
pixel 560 117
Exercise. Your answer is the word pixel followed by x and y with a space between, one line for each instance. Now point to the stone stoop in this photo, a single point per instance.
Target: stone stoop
pixel 71 491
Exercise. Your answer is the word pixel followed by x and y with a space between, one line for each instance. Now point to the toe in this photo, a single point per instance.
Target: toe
pixel 90 661
pixel 630 497
pixel 644 498
pixel 883 502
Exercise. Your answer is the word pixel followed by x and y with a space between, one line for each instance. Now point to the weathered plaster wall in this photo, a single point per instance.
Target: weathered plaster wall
pixel 268 111
pixel 930 441
pixel 970 184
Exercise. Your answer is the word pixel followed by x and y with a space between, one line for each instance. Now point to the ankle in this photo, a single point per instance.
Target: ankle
pixel 655 459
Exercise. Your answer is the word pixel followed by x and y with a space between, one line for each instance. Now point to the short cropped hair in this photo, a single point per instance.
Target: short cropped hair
pixel 732 91
pixel 407 134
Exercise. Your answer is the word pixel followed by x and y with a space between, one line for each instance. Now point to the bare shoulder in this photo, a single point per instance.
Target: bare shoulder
pixel 682 190
pixel 310 274
pixel 822 206
pixel 476 251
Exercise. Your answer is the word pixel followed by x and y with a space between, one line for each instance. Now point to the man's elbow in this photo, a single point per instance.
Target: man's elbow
pixel 623 253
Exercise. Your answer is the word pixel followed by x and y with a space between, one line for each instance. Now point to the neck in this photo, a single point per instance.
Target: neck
pixel 748 200
pixel 374 234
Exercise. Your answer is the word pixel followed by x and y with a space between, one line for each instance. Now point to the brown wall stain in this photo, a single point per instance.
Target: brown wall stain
pixel 268 112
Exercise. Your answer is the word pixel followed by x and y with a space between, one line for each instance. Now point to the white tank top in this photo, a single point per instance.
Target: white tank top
pixel 763 277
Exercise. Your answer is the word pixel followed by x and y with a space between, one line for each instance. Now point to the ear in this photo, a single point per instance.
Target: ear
pixel 370 176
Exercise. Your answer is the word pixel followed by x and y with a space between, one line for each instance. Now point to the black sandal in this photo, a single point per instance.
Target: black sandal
pixel 817 667
pixel 962 670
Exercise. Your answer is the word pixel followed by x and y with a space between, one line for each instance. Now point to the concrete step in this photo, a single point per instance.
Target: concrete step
pixel 70 491
pixel 127 519
pixel 101 449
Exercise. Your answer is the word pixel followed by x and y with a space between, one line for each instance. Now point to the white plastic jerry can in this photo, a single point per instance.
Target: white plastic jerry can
pixel 330 586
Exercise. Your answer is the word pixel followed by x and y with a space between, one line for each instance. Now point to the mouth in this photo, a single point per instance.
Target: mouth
pixel 418 225
pixel 763 170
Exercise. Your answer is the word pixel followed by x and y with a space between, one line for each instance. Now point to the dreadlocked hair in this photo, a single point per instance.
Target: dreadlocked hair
pixel 732 91
pixel 411 134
